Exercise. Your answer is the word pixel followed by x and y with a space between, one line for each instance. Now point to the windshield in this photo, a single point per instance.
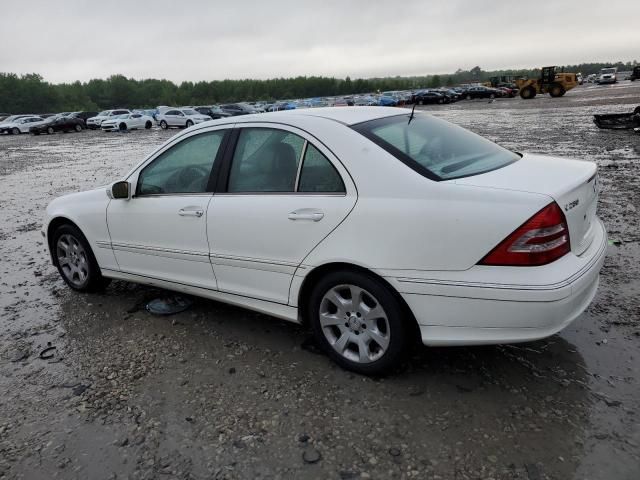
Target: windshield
pixel 608 70
pixel 437 149
pixel 103 114
pixel 124 115
pixel 189 111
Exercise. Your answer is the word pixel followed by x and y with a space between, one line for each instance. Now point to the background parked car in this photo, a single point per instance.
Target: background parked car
pixel 387 101
pixel 480 92
pixel 425 97
pixel 84 116
pixel 127 121
pixel 238 109
pixel 21 125
pixel 95 122
pixel 212 111
pixel 58 124
pixel 181 117
pixel 12 118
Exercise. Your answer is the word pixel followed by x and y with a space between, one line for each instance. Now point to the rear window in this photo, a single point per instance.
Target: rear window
pixel 434 148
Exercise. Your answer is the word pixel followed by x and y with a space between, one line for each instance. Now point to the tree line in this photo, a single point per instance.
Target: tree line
pixel 32 94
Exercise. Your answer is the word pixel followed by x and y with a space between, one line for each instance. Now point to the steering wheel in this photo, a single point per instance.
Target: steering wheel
pixel 189 179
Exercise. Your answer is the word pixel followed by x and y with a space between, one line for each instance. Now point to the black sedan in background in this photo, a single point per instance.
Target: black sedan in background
pixel 59 124
pixel 481 92
pixel 83 116
pixel 427 96
pixel 238 109
pixel 213 112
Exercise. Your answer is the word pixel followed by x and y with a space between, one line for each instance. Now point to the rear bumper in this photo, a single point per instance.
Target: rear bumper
pixel 475 313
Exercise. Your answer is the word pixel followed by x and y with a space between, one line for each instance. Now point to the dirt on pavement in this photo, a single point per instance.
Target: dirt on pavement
pixel 219 392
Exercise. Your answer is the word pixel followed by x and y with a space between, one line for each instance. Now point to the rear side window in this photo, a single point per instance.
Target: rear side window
pixel 318 174
pixel 434 148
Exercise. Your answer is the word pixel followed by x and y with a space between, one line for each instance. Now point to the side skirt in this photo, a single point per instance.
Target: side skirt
pixel 284 312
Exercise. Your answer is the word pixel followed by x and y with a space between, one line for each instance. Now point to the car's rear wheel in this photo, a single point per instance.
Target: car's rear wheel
pixel 359 322
pixel 78 127
pixel 163 125
pixel 148 125
pixel 468 97
pixel 189 124
pixel 75 260
pixel 50 130
pixel 15 131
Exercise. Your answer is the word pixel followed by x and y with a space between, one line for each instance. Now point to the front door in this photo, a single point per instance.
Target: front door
pixel 283 194
pixel 161 231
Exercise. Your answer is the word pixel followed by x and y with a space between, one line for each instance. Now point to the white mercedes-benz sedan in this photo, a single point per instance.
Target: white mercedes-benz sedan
pixel 373 226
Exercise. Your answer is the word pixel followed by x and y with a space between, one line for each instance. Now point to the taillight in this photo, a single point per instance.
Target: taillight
pixel 540 240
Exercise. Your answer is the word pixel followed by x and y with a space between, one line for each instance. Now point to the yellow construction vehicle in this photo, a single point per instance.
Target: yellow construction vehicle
pixel 554 83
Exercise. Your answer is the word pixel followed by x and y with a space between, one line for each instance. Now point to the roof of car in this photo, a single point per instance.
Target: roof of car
pixel 345 115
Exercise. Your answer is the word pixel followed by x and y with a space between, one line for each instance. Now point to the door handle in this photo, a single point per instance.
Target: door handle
pixel 190 212
pixel 306 214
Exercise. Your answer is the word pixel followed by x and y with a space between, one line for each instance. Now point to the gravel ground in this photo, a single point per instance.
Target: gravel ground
pixel 219 392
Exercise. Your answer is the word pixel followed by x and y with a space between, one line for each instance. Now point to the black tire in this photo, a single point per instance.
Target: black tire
pixel 50 131
pixel 468 97
pixel 528 93
pixel 148 125
pixel 188 124
pixel 399 328
pixel 122 127
pixel 15 131
pixel 163 125
pixel 440 101
pixel 94 281
pixel 78 127
pixel 556 90
pixel 492 96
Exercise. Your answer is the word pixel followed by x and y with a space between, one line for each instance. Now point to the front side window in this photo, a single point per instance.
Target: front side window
pixel 184 168
pixel 434 148
pixel 265 160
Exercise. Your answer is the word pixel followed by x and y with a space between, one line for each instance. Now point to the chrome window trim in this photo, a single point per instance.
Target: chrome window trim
pixel 302 153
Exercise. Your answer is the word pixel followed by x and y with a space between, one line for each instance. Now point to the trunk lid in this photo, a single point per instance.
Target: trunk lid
pixel 573 184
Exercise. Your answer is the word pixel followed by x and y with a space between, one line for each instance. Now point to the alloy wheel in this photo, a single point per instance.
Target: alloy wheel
pixel 73 260
pixel 354 323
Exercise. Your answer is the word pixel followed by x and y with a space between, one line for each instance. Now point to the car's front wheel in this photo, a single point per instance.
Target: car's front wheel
pixel 50 130
pixel 359 322
pixel 15 131
pixel 75 260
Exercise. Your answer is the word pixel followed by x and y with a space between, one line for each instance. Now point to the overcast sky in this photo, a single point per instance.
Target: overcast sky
pixel 208 39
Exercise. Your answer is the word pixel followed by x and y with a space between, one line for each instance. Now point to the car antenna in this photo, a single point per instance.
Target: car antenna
pixel 411 116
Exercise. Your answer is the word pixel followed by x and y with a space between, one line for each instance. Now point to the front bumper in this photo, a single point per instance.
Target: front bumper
pixel 465 313
pixel 108 127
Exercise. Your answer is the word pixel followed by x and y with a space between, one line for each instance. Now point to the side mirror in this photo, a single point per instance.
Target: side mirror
pixel 120 190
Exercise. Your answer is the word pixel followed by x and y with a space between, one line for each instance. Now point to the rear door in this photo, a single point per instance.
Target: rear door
pixel 281 192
